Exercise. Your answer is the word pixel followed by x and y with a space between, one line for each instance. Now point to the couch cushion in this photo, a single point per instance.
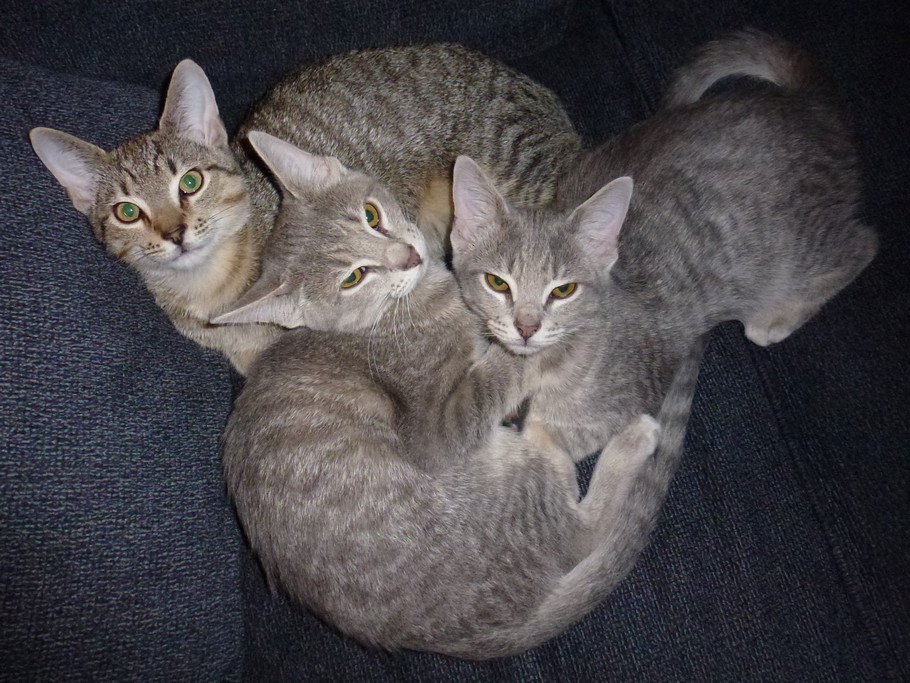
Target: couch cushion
pixel 246 46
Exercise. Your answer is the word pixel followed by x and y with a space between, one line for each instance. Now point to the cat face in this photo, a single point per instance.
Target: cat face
pixel 534 277
pixel 342 251
pixel 165 200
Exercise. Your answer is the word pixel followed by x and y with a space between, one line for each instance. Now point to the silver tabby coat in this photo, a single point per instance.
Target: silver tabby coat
pixel 191 213
pixel 744 207
pixel 365 456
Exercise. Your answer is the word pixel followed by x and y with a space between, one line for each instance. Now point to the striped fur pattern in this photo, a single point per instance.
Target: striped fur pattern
pixel 401 115
pixel 364 455
pixel 741 206
pixel 374 484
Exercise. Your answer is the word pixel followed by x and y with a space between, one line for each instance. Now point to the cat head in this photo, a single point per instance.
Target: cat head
pixel 164 200
pixel 534 277
pixel 342 251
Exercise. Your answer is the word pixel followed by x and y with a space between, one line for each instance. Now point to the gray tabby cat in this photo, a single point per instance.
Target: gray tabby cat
pixel 367 467
pixel 744 208
pixel 191 213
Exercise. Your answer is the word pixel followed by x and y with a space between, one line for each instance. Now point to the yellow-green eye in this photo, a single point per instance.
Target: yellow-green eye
pixel 127 212
pixel 496 283
pixel 371 213
pixel 353 279
pixel 564 291
pixel 191 182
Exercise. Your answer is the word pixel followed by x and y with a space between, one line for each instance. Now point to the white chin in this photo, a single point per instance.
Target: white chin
pixel 521 349
pixel 188 260
pixel 193 258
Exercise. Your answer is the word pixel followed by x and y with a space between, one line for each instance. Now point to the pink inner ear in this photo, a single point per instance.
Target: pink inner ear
pixel 74 163
pixel 600 219
pixel 190 108
pixel 296 170
pixel 475 200
pixel 264 302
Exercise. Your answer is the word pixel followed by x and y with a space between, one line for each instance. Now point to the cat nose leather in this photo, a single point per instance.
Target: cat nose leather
pixel 414 259
pixel 526 327
pixel 401 256
pixel 175 234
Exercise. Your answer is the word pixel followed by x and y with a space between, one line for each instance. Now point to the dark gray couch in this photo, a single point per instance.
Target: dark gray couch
pixel 783 551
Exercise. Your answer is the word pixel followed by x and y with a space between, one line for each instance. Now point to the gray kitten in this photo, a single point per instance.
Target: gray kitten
pixel 345 257
pixel 191 213
pixel 744 208
pixel 367 467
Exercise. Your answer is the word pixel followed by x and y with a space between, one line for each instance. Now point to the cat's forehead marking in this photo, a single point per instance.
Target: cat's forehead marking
pixel 152 154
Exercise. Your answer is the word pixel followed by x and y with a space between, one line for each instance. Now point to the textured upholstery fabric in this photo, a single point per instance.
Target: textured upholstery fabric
pixel 783 552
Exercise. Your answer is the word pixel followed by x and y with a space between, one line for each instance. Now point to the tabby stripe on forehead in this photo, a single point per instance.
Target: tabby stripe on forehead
pixel 216 167
pixel 124 189
pixel 130 174
pixel 158 152
pixel 171 165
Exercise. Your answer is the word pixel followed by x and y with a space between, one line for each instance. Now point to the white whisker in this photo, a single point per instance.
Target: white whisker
pixel 373 326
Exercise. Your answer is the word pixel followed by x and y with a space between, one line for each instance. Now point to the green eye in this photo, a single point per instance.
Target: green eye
pixel 191 182
pixel 564 291
pixel 127 212
pixel 354 278
pixel 496 283
pixel 371 213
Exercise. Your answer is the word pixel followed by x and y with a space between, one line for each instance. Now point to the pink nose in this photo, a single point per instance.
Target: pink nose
pixel 414 259
pixel 527 329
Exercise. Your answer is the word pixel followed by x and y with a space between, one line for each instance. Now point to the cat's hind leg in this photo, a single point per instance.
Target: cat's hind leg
pixel 618 468
pixel 772 325
pixel 434 214
pixel 776 320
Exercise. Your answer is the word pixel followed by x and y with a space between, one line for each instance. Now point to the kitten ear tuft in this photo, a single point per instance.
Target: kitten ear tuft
pixel 599 220
pixel 190 109
pixel 267 301
pixel 76 164
pixel 297 171
pixel 476 200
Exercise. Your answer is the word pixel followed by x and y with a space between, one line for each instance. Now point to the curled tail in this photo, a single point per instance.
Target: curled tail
pixel 626 535
pixel 747 53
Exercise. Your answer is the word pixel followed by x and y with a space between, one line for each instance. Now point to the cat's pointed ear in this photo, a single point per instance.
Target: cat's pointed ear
pixel 600 219
pixel 76 164
pixel 297 171
pixel 476 200
pixel 190 109
pixel 267 301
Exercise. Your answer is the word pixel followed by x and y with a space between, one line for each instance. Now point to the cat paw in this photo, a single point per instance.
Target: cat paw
pixel 770 327
pixel 539 437
pixel 639 438
pixel 767 335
